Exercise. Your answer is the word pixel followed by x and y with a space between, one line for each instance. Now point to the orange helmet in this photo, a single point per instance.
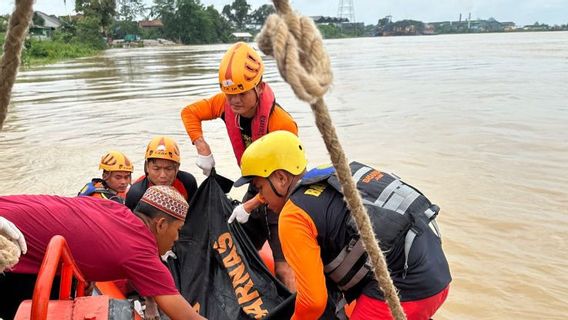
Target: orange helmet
pixel 115 161
pixel 162 147
pixel 241 69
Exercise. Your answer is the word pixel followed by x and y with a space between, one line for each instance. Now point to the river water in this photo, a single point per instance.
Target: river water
pixel 478 122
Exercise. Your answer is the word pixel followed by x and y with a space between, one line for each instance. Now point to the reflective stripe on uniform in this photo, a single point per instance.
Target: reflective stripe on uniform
pixel 360 173
pixel 387 192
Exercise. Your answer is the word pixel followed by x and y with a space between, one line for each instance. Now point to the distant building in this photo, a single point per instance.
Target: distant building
pixel 242 36
pixel 151 24
pixel 536 27
pixel 328 20
pixel 489 25
pixel 43 25
pixel 509 26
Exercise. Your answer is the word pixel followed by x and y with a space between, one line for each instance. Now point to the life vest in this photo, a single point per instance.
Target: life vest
pixel 259 124
pixel 98 188
pixel 178 184
pixel 398 212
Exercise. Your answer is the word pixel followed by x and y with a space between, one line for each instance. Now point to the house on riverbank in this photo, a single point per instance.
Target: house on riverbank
pixel 43 25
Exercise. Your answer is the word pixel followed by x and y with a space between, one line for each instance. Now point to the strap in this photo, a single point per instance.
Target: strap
pixel 339 312
pixel 363 271
pixel 432 212
pixel 353 255
pixel 337 261
pixel 408 240
pixel 410 197
pixel 387 192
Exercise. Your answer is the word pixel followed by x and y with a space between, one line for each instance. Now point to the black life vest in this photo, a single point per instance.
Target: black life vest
pixel 398 212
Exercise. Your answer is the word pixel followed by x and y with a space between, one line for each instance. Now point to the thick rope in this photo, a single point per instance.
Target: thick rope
pixel 297 46
pixel 9 253
pixel 17 29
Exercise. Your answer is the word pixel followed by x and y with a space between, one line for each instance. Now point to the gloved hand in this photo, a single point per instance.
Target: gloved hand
pixel 206 163
pixel 240 214
pixel 10 231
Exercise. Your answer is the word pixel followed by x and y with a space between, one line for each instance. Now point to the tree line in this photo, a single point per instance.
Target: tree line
pixel 184 21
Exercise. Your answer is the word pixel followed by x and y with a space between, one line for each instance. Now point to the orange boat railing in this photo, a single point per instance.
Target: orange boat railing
pixel 56 256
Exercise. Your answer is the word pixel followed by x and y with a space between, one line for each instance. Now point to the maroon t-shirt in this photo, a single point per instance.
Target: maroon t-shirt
pixel 107 241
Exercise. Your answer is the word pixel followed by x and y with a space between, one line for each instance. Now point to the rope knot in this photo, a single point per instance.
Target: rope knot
pixel 296 44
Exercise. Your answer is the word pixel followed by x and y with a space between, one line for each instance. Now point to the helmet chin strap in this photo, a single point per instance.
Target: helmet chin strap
pixel 274 189
pixel 278 193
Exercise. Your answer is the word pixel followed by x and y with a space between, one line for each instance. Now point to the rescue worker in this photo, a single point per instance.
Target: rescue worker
pixel 161 167
pixel 248 107
pixel 322 245
pixel 106 240
pixel 116 177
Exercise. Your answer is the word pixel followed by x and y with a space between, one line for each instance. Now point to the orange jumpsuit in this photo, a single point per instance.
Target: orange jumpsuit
pixel 213 108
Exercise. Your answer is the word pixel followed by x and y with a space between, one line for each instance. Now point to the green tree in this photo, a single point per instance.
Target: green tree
pixel 4 22
pixel 88 32
pixel 129 10
pixel 237 13
pixel 188 22
pixel 101 10
pixel 221 27
pixel 38 20
pixel 165 10
pixel 259 15
pixel 330 31
pixel 123 27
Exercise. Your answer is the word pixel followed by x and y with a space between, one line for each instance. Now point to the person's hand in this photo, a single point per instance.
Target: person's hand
pixel 10 231
pixel 206 163
pixel 151 312
pixel 240 214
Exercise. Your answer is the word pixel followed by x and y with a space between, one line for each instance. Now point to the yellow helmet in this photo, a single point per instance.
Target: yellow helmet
pixel 241 69
pixel 115 161
pixel 278 150
pixel 162 147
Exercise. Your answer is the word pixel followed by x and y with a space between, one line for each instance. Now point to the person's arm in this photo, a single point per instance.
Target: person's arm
pixel 192 115
pixel 176 307
pixel 243 210
pixel 285 274
pixel 205 109
pixel 298 236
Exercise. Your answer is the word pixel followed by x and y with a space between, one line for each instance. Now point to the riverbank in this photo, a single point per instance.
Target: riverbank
pixel 38 52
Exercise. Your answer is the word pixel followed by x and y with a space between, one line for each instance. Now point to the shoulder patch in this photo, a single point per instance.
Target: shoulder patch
pixel 315 189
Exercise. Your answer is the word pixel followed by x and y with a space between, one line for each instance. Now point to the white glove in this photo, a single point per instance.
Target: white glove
pixel 10 231
pixel 206 163
pixel 240 214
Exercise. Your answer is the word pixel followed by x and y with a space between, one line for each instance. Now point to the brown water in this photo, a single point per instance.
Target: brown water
pixel 478 122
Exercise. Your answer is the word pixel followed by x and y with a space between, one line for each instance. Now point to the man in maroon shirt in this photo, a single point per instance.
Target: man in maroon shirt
pixel 107 241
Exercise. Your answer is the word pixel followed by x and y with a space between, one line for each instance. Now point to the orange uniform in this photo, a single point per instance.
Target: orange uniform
pixel 302 252
pixel 214 108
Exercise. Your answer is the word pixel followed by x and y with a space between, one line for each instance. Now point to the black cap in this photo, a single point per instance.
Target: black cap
pixel 242 181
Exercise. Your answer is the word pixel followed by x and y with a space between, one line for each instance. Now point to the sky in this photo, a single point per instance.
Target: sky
pixel 522 12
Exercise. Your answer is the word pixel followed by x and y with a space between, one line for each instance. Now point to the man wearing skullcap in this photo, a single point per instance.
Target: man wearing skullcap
pixel 107 241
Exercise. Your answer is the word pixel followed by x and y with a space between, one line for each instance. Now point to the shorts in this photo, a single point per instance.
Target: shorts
pixel 423 309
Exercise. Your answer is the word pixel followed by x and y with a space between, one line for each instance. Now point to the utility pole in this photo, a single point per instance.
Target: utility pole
pixel 346 10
